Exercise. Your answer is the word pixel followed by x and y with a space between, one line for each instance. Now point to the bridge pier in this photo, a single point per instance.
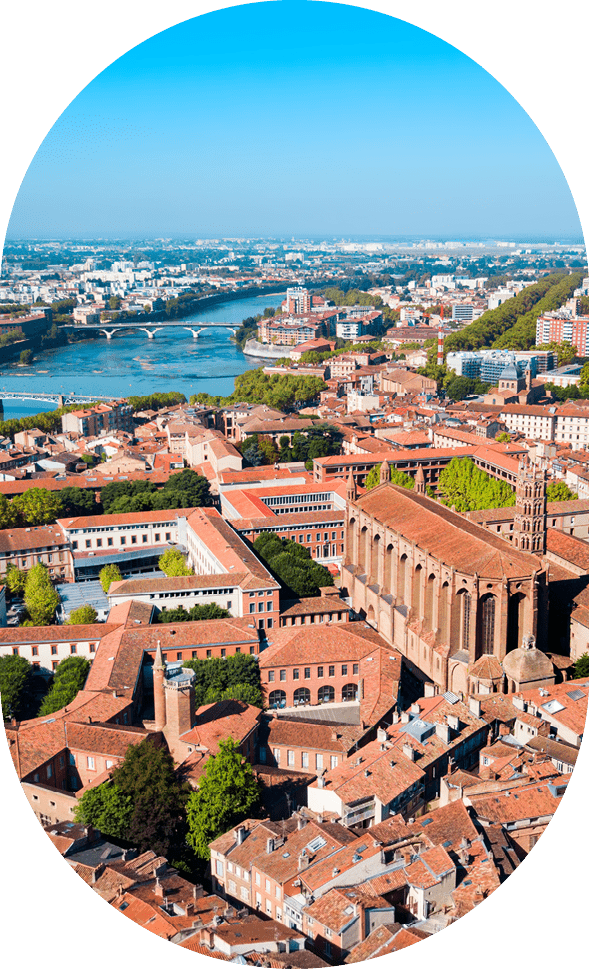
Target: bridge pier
pixel 108 334
pixel 194 332
pixel 151 333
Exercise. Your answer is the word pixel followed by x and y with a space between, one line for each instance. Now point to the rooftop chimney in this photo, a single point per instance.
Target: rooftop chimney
pixel 415 708
pixel 474 706
pixel 269 845
pixel 453 722
pixel 408 751
pixel 404 717
pixel 239 834
pixel 443 732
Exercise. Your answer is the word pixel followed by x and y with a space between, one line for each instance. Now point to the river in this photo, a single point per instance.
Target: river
pixel 130 363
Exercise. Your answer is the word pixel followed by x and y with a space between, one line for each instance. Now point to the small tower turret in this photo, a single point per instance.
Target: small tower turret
pixel 351 491
pixel 385 472
pixel 159 699
pixel 419 486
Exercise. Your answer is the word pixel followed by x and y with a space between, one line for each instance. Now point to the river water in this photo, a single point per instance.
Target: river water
pixel 130 363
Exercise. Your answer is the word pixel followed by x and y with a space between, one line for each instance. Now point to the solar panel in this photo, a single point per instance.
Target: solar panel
pixel 451 697
pixel 576 694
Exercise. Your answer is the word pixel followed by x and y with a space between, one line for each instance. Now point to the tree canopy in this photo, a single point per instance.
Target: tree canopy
pixel 469 488
pixel 581 668
pixel 40 597
pixel 292 564
pixel 227 793
pixel 560 491
pixel 109 574
pixel 172 562
pixel 15 675
pixel 84 616
pixel 286 392
pixel 144 802
pixel 68 680
pixel 234 678
pixel 397 478
pixel 209 610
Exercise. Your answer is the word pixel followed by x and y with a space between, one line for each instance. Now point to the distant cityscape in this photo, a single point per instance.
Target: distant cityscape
pixel 296 675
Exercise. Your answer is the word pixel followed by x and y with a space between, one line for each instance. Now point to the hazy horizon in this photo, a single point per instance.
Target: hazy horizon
pixel 300 119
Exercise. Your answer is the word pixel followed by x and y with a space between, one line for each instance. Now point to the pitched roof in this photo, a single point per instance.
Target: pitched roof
pixel 451 538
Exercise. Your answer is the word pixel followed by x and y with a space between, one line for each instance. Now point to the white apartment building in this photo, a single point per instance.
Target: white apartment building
pixel 567 424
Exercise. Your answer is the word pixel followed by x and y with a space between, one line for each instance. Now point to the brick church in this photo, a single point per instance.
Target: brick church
pixel 467 608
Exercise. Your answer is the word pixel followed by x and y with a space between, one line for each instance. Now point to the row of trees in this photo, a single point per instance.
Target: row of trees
pixel 209 610
pixel 68 680
pixel 314 442
pixel 292 565
pixel 234 678
pixel 286 392
pixel 157 401
pixel 39 506
pixel 149 805
pixel 186 489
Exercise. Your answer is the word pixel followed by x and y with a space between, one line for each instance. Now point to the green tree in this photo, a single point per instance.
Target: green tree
pixel 38 506
pixel 15 580
pixel 227 793
pixel 26 356
pixel 469 488
pixel 147 776
pixel 109 574
pixel 15 675
pixel 173 562
pixel 292 564
pixel 397 477
pixel 40 597
pixel 581 667
pixel 106 809
pixel 8 513
pixel 79 501
pixel 503 437
pixel 84 616
pixel 560 491
pixel 68 680
pixel 209 610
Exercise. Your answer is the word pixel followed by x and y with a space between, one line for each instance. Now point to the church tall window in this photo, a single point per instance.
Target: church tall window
pixel 465 596
pixel 487 640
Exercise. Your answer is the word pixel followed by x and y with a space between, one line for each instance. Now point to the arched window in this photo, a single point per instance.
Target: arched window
pixel 388 571
pixel 428 612
pixel 401 579
pixel 349 691
pixel 417 599
pixel 364 550
pixel 326 694
pixel 487 630
pixel 460 622
pixel 443 613
pixel 515 620
pixel 374 564
pixel 302 695
pixel 277 699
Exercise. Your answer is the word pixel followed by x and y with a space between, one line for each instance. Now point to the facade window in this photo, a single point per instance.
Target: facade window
pixel 98 543
pixel 252 607
pixel 90 763
pixel 295 674
pixel 223 653
pixel 307 672
pixel 290 758
pixel 356 669
pixel 318 761
pixel 277 698
pixel 344 670
pixel 168 536
pixel 326 694
pixel 270 676
pixel 123 540
pixel 35 650
pixel 219 869
pixel 133 540
pixel 333 762
pixel 332 670
pixel 109 541
pixel 15 650
pixel 276 754
pixel 304 759
pixel 320 672
pixel 270 622
pixel 73 648
pixel 54 650
pixel 488 625
pixel 302 695
pixel 49 771
pixel 282 675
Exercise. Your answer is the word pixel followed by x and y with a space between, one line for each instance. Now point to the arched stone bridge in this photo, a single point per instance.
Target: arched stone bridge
pixel 109 329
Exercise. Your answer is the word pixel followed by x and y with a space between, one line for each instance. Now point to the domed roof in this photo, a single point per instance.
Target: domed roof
pixel 511 372
pixel 527 663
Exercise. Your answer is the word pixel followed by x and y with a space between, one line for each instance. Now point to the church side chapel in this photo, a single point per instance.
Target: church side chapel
pixel 467 608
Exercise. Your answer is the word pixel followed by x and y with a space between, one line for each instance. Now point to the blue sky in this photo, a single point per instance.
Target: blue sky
pixel 294 118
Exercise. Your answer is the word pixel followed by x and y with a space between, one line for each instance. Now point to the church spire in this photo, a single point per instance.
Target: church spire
pixel 385 472
pixel 351 492
pixel 419 481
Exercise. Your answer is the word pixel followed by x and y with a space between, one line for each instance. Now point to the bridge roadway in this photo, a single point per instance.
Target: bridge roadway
pixel 62 400
pixel 150 328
